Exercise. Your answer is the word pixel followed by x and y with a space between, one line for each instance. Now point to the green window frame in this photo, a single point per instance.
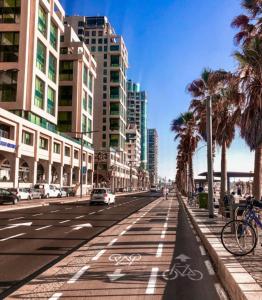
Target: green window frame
pixel 52 68
pixel 51 101
pixel 53 35
pixel 42 21
pixel 41 56
pixel 39 93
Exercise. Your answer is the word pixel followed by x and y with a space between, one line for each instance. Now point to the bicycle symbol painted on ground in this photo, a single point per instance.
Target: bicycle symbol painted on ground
pixel 124 260
pixel 183 271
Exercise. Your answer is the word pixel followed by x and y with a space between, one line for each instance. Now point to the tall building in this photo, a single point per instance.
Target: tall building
pixel 111 55
pixel 31 148
pixel 137 114
pixel 152 155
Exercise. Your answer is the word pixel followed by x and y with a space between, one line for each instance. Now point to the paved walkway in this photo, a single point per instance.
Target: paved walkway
pixel 242 276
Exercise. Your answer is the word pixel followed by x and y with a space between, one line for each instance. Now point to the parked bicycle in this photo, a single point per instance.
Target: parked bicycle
pixel 240 237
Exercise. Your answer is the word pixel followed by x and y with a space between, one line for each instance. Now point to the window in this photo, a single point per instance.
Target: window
pixel 8 86
pixel 99 48
pixel 51 101
pixel 41 56
pixel 105 41
pixel 93 33
pixel 90 105
pixel 57 148
pixel 75 154
pixel 114 92
pixel 65 95
pixel 89 128
pixel 100 33
pixel 105 64
pixel 84 100
pixel 104 79
pixel 84 123
pixel 114 140
pixel 52 68
pixel 114 76
pixel 93 49
pixel 114 48
pixel 105 48
pixel 27 138
pixel 100 41
pixel 114 60
pixel 9 49
pixel 39 92
pixel 114 109
pixel 105 56
pixel 42 21
pixel 66 70
pixel 43 143
pixel 90 82
pixel 85 72
pixel 63 50
pixel 104 96
pixel 10 11
pixel 53 35
pixel 65 121
pixel 67 151
pixel 93 41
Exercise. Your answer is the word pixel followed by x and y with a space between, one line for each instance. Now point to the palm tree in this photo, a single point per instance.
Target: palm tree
pixel 250 76
pixel 186 129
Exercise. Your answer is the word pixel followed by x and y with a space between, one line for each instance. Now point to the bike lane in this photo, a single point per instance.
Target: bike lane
pixel 135 260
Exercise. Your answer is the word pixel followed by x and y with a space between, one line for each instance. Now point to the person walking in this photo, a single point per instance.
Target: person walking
pixel 165 192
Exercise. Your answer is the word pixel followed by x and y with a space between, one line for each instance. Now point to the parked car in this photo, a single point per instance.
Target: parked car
pixel 7 196
pixel 153 188
pixel 47 190
pixel 102 195
pixel 63 192
pixel 34 193
pixel 70 191
pixel 21 193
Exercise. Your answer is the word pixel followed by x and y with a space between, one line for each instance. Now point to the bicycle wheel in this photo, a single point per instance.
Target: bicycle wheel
pixel 170 275
pixel 238 237
pixel 195 275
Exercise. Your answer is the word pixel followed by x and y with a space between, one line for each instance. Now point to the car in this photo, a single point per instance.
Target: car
pixel 7 196
pixel 102 195
pixel 70 191
pixel 63 192
pixel 47 190
pixel 34 193
pixel 153 188
pixel 21 193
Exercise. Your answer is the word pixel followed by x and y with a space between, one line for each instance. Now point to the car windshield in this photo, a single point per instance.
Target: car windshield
pixel 99 191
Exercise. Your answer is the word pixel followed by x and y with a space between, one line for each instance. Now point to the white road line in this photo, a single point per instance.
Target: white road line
pixel 167 218
pixel 78 274
pixel 221 291
pixel 92 213
pixel 41 228
pixel 122 233
pixel 79 217
pixel 202 250
pixel 128 227
pixel 36 215
pixel 198 239
pixel 165 225
pixel 163 234
pixel 112 242
pixel 65 221
pixel 152 281
pixel 56 296
pixel 11 237
pixel 209 268
pixel 159 250
pixel 134 222
pixel 100 253
pixel 100 210
pixel 16 219
pixel 53 211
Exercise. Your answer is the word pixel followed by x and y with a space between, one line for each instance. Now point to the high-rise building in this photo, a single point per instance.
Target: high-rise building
pixel 111 55
pixel 152 155
pixel 137 114
pixel 31 148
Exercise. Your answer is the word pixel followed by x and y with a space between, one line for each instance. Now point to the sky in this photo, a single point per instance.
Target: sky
pixel 169 43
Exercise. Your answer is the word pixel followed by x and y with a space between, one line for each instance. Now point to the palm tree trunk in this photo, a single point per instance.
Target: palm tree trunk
pixel 223 177
pixel 257 184
pixel 191 173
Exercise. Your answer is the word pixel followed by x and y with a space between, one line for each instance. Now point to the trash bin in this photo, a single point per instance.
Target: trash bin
pixel 203 200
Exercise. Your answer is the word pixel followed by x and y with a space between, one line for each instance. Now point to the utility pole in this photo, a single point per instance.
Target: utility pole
pixel 209 157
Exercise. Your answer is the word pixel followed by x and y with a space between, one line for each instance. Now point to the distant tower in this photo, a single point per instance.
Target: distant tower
pixel 152 155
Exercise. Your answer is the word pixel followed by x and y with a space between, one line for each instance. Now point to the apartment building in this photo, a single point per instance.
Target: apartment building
pixel 111 55
pixel 152 155
pixel 137 114
pixel 31 147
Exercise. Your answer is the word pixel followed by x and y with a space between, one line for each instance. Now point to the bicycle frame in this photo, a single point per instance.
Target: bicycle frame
pixel 251 215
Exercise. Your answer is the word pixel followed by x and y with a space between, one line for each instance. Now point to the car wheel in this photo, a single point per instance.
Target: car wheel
pixel 47 196
pixel 15 201
pixel 29 198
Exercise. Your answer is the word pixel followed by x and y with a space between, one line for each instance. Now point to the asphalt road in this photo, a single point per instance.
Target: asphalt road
pixel 31 240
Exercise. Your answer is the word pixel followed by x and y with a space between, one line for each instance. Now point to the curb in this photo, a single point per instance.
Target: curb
pixel 239 284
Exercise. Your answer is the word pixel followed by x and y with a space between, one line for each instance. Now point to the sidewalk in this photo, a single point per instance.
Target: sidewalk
pixel 23 204
pixel 241 276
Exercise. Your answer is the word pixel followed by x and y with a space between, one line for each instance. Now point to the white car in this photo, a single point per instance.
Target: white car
pixel 48 190
pixel 102 195
pixel 21 193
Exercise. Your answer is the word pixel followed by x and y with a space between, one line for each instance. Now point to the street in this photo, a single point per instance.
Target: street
pixel 31 240
pixel 153 253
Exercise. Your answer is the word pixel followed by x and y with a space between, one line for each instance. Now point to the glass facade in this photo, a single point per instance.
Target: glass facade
pixel 53 35
pixel 90 105
pixel 42 21
pixel 66 70
pixel 9 46
pixel 65 95
pixel 65 121
pixel 52 68
pixel 39 92
pixel 41 56
pixel 51 101
pixel 8 86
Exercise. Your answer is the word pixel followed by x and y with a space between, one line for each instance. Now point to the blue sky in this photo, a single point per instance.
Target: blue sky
pixel 169 43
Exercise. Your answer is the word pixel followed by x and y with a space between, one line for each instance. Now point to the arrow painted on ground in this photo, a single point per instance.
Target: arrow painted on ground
pixel 183 257
pixel 116 275
pixel 80 226
pixel 17 225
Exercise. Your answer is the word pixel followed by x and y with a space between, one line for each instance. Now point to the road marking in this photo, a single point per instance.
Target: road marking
pixel 159 250
pixel 122 233
pixel 202 250
pixel 209 268
pixel 92 213
pixel 41 228
pixel 163 234
pixel 165 225
pixel 198 239
pixel 64 221
pixel 37 215
pixel 11 237
pixel 79 217
pixel 17 225
pixel 128 227
pixel 167 218
pixel 56 296
pixel 99 254
pixel 116 275
pixel 109 208
pixel 53 211
pixel 78 274
pixel 16 219
pixel 221 291
pixel 80 226
pixel 100 210
pixel 112 242
pixel 152 281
